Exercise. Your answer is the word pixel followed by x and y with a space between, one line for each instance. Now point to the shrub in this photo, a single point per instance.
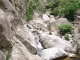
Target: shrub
pixel 65 29
pixel 30 13
pixel 66 8
pixel 79 30
pixel 1 1
pixel 54 12
pixel 33 5
pixel 9 54
pixel 66 37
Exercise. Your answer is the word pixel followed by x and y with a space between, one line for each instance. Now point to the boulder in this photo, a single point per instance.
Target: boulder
pixel 52 53
pixel 50 41
pixel 62 21
pixel 71 55
pixel 78 12
pixel 45 17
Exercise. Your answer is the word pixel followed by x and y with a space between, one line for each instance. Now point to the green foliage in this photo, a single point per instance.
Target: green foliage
pixel 30 12
pixel 65 29
pixel 66 37
pixel 1 1
pixel 34 5
pixel 9 54
pixel 66 8
pixel 52 4
pixel 54 12
pixel 41 9
pixel 79 30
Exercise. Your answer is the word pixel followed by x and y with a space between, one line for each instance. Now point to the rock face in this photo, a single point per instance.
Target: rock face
pixel 5 31
pixel 20 52
pixel 15 35
pixel 27 38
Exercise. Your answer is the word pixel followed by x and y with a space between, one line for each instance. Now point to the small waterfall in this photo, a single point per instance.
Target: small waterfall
pixel 39 46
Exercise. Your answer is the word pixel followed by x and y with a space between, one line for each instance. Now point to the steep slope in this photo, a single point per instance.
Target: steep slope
pixel 11 35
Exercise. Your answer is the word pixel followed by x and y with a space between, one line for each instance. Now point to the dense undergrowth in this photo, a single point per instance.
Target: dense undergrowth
pixel 66 8
pixel 65 29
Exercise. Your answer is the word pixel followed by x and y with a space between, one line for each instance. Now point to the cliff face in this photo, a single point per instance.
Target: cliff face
pixel 16 40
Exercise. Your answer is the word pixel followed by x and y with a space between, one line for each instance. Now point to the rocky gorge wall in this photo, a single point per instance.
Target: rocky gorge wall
pixel 37 40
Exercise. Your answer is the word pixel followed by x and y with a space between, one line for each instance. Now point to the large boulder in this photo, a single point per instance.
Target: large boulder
pixel 52 53
pixel 62 21
pixel 50 41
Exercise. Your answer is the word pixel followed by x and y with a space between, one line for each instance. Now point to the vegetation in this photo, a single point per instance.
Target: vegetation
pixel 29 12
pixel 1 1
pixel 66 37
pixel 66 8
pixel 9 54
pixel 65 29
pixel 34 5
pixel 79 30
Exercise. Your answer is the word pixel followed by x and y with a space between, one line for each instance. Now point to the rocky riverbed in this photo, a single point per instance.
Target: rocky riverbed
pixel 38 39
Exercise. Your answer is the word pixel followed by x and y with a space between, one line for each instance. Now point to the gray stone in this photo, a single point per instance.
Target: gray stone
pixel 52 53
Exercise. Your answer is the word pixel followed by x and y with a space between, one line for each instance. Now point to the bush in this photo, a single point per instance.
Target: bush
pixel 79 30
pixel 9 54
pixel 30 13
pixel 66 37
pixel 54 12
pixel 33 5
pixel 66 8
pixel 1 1
pixel 65 29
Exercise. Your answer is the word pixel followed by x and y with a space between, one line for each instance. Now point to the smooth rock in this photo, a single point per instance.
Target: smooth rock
pixel 52 53
pixel 50 41
pixel 45 17
pixel 71 55
pixel 62 21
